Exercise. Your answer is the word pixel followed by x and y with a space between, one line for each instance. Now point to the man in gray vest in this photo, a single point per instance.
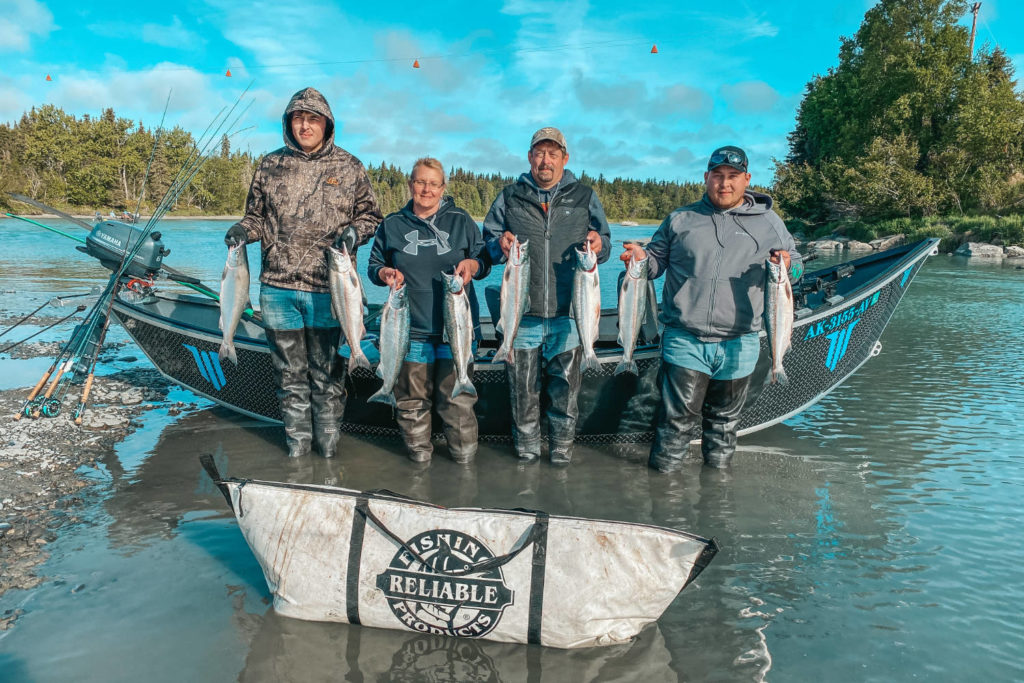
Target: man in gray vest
pixel 556 214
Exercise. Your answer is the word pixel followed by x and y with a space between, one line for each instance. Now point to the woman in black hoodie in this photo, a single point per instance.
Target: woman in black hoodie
pixel 428 236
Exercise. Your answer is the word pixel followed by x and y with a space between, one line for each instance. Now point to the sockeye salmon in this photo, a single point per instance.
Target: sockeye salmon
pixel 586 303
pixel 778 317
pixel 234 298
pixel 458 332
pixel 515 299
pixel 632 309
pixel 394 343
pixel 347 303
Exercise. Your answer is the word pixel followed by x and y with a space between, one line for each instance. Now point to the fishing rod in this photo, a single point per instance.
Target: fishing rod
pixel 31 405
pixel 152 155
pixel 36 334
pixel 41 306
pixel 47 404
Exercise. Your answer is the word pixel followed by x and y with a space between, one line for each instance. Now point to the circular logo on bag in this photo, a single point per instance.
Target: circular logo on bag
pixel 445 596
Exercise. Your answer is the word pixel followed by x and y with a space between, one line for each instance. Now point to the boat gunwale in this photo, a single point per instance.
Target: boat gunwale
pixel 611 354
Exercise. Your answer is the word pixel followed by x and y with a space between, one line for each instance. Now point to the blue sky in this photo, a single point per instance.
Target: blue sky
pixel 491 72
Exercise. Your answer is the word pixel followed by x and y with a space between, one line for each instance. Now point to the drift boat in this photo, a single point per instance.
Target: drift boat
pixel 840 316
pixel 518 576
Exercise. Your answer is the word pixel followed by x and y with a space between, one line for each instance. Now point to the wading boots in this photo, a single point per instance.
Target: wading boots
pixel 563 377
pixel 723 406
pixel 524 394
pixel 413 389
pixel 679 414
pixel 457 416
pixel 327 383
pixel 288 358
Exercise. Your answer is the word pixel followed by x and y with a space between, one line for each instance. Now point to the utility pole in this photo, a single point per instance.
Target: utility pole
pixel 974 25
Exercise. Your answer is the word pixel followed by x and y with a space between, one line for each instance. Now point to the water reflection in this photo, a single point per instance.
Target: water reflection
pixel 293 650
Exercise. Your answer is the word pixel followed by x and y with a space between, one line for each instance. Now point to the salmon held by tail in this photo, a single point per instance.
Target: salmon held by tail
pixel 778 317
pixel 515 299
pixel 632 309
pixel 458 332
pixel 347 303
pixel 394 343
pixel 586 303
pixel 234 298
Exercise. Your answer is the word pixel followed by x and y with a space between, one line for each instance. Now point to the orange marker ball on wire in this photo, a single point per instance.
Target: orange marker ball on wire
pixel 415 63
pixel 228 73
pixel 654 49
pixel 48 77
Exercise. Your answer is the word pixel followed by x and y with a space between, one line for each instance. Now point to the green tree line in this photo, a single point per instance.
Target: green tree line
pixel 86 164
pixel 908 124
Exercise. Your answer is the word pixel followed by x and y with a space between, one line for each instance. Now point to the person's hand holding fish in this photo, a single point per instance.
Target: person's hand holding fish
pixel 466 269
pixel 632 251
pixel 780 256
pixel 392 277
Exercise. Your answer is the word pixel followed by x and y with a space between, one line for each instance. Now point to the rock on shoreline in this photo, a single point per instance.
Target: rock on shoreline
pixel 968 249
pixel 40 488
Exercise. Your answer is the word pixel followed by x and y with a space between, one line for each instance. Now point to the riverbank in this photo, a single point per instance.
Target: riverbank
pixel 45 463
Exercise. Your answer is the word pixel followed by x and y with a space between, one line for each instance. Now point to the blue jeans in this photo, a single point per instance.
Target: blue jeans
pixel 554 335
pixel 292 309
pixel 428 352
pixel 728 359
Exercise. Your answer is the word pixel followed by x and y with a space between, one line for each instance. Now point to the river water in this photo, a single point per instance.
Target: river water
pixel 875 537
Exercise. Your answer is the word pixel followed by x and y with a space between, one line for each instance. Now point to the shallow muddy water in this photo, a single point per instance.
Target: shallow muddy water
pixel 875 537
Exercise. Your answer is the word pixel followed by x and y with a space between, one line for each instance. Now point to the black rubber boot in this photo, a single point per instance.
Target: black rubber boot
pixel 327 383
pixel 524 394
pixel 563 373
pixel 291 372
pixel 457 416
pixel 413 389
pixel 723 406
pixel 679 413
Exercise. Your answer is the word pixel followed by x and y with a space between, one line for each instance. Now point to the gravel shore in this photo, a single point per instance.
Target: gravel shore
pixel 43 464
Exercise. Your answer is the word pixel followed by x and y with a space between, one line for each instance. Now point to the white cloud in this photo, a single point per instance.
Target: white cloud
pixel 13 101
pixel 20 20
pixel 751 97
pixel 175 35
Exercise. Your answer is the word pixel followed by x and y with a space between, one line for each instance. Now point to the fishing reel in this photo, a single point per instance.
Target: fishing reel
pixel 31 406
pixel 51 407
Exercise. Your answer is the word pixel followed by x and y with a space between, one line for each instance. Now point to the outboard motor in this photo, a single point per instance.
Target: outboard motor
pixel 110 240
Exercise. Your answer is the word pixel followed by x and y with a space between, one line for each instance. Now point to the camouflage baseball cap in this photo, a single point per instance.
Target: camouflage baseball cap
pixel 549 133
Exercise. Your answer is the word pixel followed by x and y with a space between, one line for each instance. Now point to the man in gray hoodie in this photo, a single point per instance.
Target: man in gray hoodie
pixel 305 197
pixel 556 214
pixel 712 253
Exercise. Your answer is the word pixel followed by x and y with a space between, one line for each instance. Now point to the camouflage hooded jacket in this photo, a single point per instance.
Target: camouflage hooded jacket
pixel 299 203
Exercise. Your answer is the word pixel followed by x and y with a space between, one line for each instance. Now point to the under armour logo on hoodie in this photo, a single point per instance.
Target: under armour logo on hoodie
pixel 414 243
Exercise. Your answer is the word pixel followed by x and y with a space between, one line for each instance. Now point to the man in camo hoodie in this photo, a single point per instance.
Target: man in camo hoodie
pixel 305 197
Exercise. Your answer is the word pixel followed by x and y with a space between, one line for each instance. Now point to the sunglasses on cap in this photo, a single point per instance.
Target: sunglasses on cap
pixel 727 157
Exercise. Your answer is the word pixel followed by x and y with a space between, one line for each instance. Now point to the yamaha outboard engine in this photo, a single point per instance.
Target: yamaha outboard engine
pixel 110 240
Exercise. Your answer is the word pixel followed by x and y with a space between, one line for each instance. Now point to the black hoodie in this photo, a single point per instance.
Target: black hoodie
pixel 422 249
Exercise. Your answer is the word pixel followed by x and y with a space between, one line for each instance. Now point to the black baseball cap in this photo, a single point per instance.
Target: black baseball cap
pixel 730 156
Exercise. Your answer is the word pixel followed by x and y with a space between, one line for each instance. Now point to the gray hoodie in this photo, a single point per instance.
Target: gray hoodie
pixel 299 203
pixel 714 265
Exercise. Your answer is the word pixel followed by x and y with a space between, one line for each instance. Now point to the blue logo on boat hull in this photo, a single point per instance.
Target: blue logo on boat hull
pixel 838 343
pixel 209 366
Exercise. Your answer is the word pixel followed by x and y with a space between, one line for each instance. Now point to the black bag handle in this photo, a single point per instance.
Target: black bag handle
pixel 535 532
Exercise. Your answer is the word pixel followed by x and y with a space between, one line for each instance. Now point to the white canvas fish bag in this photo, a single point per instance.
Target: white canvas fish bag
pixel 378 559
